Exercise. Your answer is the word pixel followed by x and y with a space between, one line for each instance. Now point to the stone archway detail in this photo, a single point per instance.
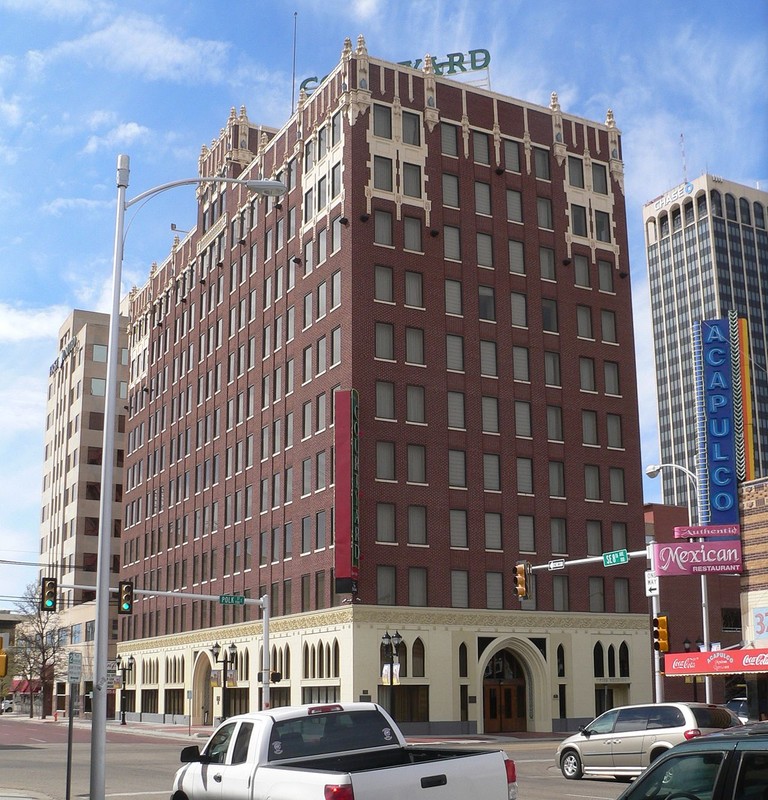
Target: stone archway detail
pixel 202 692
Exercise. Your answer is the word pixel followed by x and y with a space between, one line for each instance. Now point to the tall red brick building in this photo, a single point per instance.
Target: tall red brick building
pixel 459 260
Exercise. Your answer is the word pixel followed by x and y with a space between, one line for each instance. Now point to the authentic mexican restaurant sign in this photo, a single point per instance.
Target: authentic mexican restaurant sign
pixel 716 662
pixel 696 558
pixel 708 531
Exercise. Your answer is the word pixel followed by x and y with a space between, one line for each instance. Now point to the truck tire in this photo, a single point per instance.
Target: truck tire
pixel 570 765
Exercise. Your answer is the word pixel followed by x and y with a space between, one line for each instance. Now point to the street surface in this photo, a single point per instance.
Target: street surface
pixel 141 762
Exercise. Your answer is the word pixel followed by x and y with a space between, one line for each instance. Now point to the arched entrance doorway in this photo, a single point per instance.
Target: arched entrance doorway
pixel 504 694
pixel 202 710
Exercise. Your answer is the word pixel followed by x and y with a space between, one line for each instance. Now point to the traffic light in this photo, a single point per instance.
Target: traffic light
pixel 522 569
pixel 3 663
pixel 49 594
pixel 125 597
pixel 661 633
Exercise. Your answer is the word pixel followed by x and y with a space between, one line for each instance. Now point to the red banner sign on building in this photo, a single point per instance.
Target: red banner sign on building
pixel 716 662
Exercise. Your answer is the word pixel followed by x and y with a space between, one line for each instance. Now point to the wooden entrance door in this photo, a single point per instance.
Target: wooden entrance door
pixel 504 693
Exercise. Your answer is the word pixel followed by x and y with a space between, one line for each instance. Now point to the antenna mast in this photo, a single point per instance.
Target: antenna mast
pixel 682 151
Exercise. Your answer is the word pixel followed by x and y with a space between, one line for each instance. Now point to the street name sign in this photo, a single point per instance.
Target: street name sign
pixel 232 599
pixel 615 557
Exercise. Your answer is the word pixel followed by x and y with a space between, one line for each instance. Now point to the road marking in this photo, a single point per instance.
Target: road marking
pixel 32 739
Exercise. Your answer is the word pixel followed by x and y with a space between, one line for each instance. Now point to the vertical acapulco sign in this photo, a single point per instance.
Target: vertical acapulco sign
pixel 347 515
pixel 719 352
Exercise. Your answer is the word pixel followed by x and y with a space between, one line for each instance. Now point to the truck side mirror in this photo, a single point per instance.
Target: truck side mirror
pixel 190 754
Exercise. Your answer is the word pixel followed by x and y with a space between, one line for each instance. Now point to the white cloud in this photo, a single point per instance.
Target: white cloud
pixel 146 49
pixel 62 205
pixel 54 9
pixel 19 325
pixel 125 133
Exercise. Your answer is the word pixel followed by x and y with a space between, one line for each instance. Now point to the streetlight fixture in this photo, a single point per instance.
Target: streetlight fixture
pixel 230 654
pixel 652 471
pixel 268 188
pixel 391 645
pixel 124 666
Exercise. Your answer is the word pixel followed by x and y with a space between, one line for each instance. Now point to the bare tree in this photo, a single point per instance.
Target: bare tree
pixel 40 649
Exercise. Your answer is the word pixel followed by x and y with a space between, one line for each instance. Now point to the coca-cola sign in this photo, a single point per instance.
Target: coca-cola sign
pixel 696 558
pixel 716 662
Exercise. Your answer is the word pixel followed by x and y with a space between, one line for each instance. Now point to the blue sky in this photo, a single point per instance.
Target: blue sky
pixel 84 80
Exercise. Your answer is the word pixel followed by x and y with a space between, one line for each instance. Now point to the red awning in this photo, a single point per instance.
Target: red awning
pixel 22 686
pixel 716 662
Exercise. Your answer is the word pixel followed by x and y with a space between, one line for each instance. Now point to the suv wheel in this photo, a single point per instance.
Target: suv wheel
pixel 570 765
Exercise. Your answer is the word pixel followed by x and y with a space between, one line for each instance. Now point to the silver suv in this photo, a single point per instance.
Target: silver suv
pixel 622 742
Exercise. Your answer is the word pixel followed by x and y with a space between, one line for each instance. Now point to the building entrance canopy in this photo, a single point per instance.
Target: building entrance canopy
pixel 716 662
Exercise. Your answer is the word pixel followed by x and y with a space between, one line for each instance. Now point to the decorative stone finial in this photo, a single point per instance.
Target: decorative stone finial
pixel 428 68
pixel 362 50
pixel 554 103
pixel 610 120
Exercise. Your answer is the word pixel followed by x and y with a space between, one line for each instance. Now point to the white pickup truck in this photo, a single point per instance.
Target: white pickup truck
pixel 341 751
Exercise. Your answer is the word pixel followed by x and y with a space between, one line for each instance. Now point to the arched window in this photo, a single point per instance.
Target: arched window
pixel 560 661
pixel 246 674
pixel 320 660
pixel 598 659
pixel 664 225
pixel 624 660
pixel 611 662
pixel 746 217
pixel 677 220
pixel 463 671
pixel 402 653
pixel 306 662
pixel 651 232
pixel 688 212
pixel 730 206
pixel 336 659
pixel 701 205
pixel 716 202
pixel 759 215
pixel 417 657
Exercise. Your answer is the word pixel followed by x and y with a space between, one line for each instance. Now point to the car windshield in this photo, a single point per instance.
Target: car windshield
pixel 715 717
pixel 684 776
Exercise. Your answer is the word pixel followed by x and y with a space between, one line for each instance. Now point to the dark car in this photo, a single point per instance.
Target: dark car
pixel 728 765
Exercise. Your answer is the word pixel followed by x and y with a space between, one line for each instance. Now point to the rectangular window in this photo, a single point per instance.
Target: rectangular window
pixel 484 249
pixel 459 588
pixel 383 284
pixel 619 536
pixel 456 410
pixel 417 463
pixel 451 243
pixel 385 522
pixel 480 147
pixel 516 257
pixel 589 433
pixel 618 492
pixel 576 172
pixel 382 121
pixel 602 226
pixel 611 372
pixel 415 404
pixel 525 475
pixel 417 586
pixel 552 368
pixel 411 128
pixel 597 595
pixel 385 341
pixel 605 276
pixel 492 531
pixel 382 173
pixel 578 220
pixel 458 527
pixel 486 306
pixel 382 227
pixel 385 461
pixel 449 139
pixel 482 198
pixel 450 190
pixel 526 533
pixel 556 479
pixel 586 374
pixel 594 537
pixel 457 473
pixel 519 309
pixel 453 304
pixel 514 206
pixel 599 178
pixel 581 271
pixel 608 326
pixel 520 365
pixel 417 524
pixel 555 423
pixel 621 595
pixel 613 423
pixel 494 590
pixel 412 234
pixel 541 163
pixel 523 419
pixel 414 295
pixel 414 346
pixel 491 472
pixel 592 482
pixel 385 585
pixel 558 535
pixel 560 593
pixel 454 346
pixel 511 155
pixel 490 420
pixel 544 213
pixel 411 180
pixel 549 315
pixel 584 322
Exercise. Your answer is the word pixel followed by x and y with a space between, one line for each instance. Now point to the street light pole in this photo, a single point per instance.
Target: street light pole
pixel 391 644
pixel 652 471
pixel 124 667
pixel 268 188
pixel 230 654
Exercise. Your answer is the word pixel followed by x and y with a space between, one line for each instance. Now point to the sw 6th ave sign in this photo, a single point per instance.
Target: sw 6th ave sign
pixel 697 558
